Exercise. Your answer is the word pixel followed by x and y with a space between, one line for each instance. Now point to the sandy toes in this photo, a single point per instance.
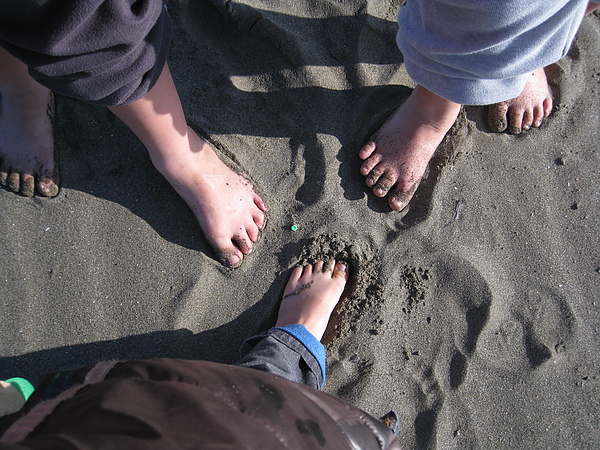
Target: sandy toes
pixel 229 211
pixel 311 294
pixel 398 154
pixel 527 110
pixel 27 144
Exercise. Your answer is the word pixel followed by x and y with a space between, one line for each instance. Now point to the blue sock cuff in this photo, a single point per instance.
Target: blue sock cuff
pixel 311 343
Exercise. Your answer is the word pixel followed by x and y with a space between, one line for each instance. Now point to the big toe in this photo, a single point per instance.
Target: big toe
pixel 340 271
pixel 497 117
pixel 47 187
pixel 399 198
pixel 230 258
pixel 230 251
pixel 234 261
pixel 399 201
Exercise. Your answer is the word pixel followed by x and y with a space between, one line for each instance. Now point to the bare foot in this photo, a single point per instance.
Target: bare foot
pixel 311 295
pixel 27 143
pixel 230 213
pixel 228 210
pixel 398 154
pixel 527 110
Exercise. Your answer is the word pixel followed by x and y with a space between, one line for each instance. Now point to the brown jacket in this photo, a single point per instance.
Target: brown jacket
pixel 176 404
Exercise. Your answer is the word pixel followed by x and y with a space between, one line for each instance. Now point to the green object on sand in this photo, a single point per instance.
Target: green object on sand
pixel 294 227
pixel 24 387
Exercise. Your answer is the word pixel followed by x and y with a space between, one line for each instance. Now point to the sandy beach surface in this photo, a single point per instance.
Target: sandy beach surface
pixel 474 315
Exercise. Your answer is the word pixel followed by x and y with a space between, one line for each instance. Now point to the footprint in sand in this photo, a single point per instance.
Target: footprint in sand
pixel 468 300
pixel 308 164
pixel 526 337
pixel 447 306
pixel 429 401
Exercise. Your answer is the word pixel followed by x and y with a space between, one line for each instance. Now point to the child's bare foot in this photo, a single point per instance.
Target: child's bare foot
pixel 398 154
pixel 26 141
pixel 527 110
pixel 311 295
pixel 230 213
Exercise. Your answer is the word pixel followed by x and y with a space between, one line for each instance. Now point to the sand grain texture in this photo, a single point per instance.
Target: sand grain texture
pixel 474 315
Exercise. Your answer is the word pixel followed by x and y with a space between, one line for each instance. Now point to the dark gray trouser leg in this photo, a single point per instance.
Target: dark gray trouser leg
pixel 278 352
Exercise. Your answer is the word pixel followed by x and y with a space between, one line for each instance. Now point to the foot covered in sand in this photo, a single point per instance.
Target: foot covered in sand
pixel 230 212
pixel 27 143
pixel 527 110
pixel 397 155
pixel 311 294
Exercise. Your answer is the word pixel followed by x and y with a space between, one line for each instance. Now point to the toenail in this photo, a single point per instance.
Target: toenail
pixel 380 191
pixel 526 127
pixel 398 206
pixel 234 261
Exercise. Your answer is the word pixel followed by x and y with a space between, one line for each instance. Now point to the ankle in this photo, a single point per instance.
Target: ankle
pixel 433 110
pixel 434 103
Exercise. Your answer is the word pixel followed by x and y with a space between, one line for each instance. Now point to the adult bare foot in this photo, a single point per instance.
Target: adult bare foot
pixel 527 110
pixel 26 139
pixel 398 154
pixel 229 211
pixel 311 295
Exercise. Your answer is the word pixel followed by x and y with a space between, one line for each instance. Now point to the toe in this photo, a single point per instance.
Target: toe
pixel 319 266
pixel 373 177
pixel 27 185
pixel 295 275
pixel 402 195
pixel 368 166
pixel 538 116
pixel 244 243
pixel 516 121
pixel 329 265
pixel 260 203
pixel 341 271
pixel 4 171
pixel 259 219
pixel 383 186
pixel 307 271
pixel 14 181
pixel 367 150
pixel 47 187
pixel 527 119
pixel 233 261
pixel 227 253
pixel 497 117
pixel 547 106
pixel 253 231
pixel 399 201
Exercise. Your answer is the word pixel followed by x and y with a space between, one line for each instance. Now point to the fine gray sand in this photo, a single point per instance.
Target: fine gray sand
pixel 474 315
